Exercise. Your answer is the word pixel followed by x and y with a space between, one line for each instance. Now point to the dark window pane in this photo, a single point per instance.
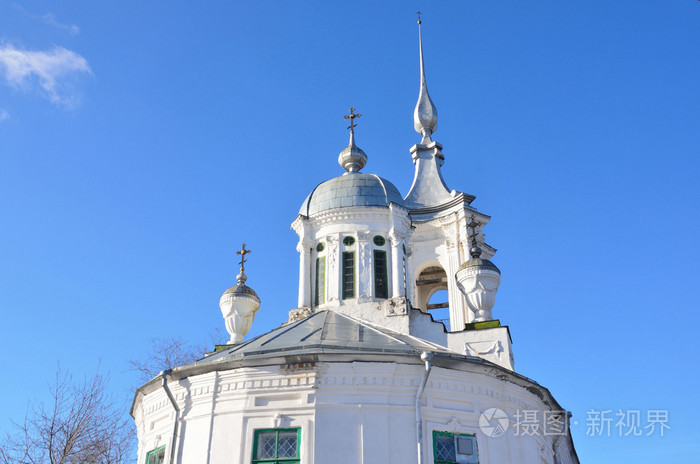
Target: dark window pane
pixel 381 286
pixel 348 274
pixel 320 281
pixel 445 448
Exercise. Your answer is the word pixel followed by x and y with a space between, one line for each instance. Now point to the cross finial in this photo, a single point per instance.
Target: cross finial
pixel 352 117
pixel 419 13
pixel 475 250
pixel 242 253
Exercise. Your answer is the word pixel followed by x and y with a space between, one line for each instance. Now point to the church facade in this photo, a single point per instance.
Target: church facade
pixel 361 371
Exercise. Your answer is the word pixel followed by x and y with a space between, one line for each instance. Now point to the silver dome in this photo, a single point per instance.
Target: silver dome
pixel 351 189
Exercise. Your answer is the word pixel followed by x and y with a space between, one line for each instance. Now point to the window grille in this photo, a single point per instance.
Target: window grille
pixel 454 448
pixel 276 446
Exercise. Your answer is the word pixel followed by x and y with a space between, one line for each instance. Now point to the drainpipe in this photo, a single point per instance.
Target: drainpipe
pixel 164 383
pixel 426 358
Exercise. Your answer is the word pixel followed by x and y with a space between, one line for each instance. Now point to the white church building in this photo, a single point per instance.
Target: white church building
pixel 361 372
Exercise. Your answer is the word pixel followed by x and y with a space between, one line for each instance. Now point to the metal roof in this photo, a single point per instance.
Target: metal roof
pixel 326 332
pixel 351 189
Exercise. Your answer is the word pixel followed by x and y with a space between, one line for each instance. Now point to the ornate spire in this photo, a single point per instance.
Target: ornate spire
pixel 352 158
pixel 425 114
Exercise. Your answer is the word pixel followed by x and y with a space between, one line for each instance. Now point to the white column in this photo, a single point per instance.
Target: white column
pixel 458 310
pixel 396 268
pixel 304 249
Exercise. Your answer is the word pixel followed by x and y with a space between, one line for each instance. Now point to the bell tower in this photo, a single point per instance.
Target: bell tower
pixel 440 218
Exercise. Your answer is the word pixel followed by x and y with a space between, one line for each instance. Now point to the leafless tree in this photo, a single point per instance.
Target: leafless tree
pixel 167 353
pixel 83 424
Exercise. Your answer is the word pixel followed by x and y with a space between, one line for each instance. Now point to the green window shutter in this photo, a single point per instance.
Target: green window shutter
pixel 157 456
pixel 320 296
pixel 348 274
pixel 381 286
pixel 277 446
pixel 454 448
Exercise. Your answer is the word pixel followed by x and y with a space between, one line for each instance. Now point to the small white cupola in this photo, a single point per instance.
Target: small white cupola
pixel 239 304
pixel 478 279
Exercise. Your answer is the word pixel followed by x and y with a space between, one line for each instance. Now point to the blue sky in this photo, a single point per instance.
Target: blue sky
pixel 142 142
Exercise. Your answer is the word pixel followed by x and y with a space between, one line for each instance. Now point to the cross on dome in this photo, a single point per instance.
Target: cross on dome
pixel 352 158
pixel 242 252
pixel 352 116
pixel 475 250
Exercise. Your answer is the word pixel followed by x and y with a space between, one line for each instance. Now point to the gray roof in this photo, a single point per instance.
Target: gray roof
pixel 326 332
pixel 351 189
pixel 241 288
pixel 479 263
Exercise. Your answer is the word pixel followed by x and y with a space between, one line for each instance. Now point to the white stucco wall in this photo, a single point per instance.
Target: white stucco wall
pixel 355 412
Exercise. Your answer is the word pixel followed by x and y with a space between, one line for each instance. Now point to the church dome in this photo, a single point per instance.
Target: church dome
pixel 240 289
pixel 351 189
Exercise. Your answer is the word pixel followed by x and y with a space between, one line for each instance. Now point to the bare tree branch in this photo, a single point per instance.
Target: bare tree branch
pixel 167 353
pixel 82 425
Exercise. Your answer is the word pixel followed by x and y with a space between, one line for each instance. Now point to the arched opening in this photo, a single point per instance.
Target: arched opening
pixel 431 293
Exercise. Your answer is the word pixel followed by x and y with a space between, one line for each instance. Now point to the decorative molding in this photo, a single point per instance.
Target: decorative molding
pixel 495 348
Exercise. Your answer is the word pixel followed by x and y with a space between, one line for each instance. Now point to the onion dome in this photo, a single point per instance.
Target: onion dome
pixel 352 158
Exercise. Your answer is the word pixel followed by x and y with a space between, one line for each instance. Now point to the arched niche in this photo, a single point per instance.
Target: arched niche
pixel 431 279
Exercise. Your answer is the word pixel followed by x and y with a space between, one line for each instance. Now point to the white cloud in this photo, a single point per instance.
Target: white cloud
pixel 50 19
pixel 4 115
pixel 53 70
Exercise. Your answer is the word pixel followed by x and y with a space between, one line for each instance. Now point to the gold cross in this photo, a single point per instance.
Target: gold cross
pixel 352 117
pixel 242 253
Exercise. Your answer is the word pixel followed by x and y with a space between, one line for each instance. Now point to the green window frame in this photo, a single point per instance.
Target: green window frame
pixel 320 295
pixel 348 275
pixel 454 448
pixel 157 456
pixel 381 284
pixel 277 446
